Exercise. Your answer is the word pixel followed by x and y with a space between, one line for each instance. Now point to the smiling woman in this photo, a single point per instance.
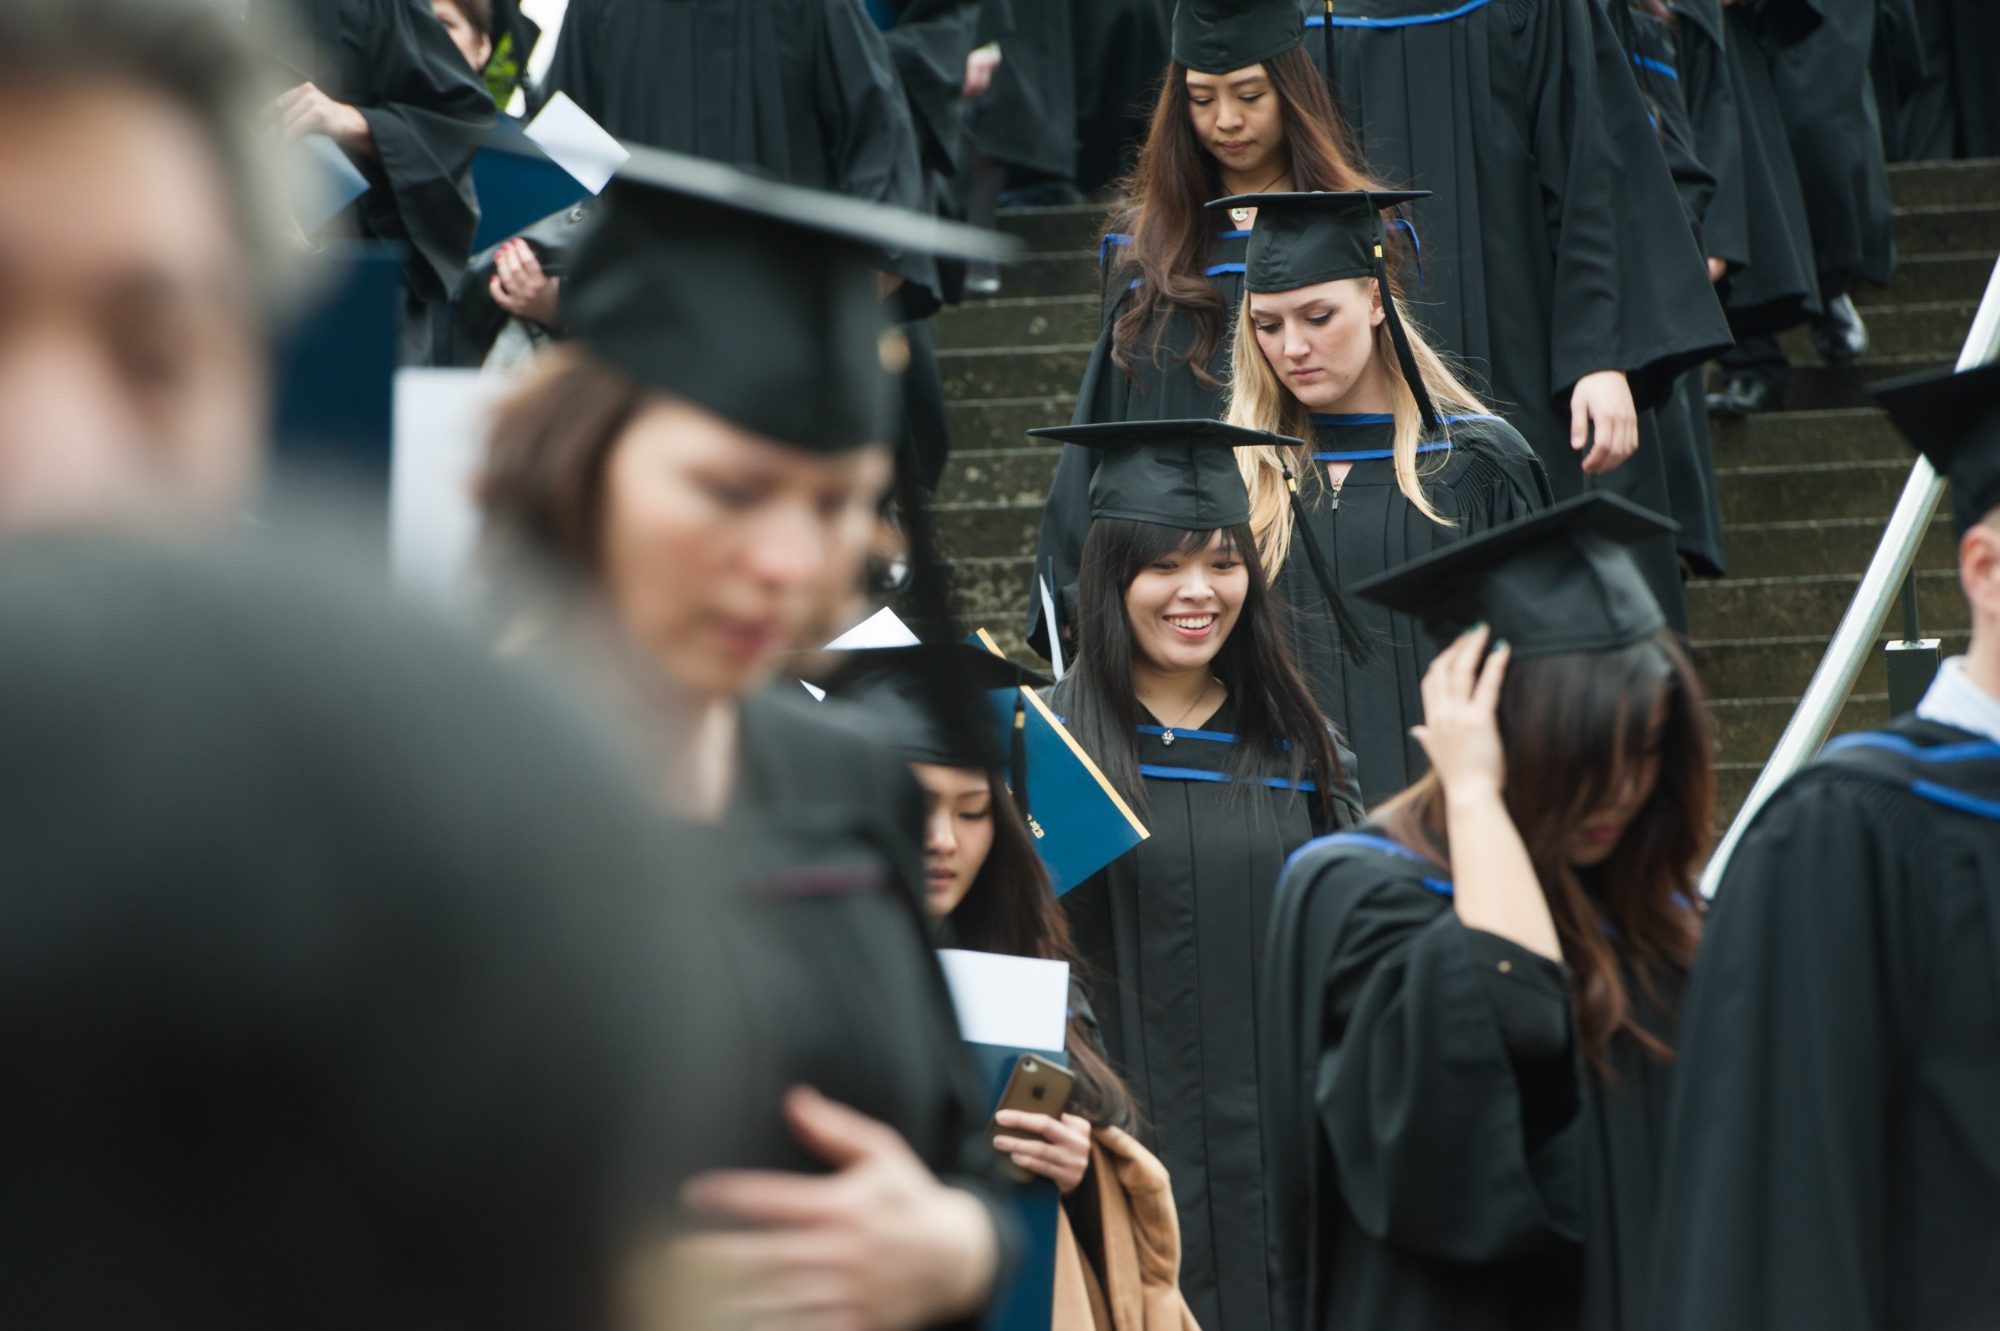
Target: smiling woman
pixel 1184 692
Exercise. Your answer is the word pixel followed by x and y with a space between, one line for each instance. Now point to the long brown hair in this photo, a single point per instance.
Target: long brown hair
pixel 1568 725
pixel 1170 230
pixel 1274 706
pixel 1011 907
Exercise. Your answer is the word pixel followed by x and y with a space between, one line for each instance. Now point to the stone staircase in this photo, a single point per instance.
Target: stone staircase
pixel 1804 492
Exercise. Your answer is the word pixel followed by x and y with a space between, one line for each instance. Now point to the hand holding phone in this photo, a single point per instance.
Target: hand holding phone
pixel 1036 1086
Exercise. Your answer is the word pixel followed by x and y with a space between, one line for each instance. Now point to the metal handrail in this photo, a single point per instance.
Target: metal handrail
pixel 1834 679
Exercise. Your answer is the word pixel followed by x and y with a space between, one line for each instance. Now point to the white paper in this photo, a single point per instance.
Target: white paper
pixel 1017 1002
pixel 576 143
pixel 881 629
pixel 442 417
pixel 1053 629
pixel 548 16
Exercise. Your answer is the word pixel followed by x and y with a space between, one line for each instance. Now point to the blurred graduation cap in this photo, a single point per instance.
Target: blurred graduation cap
pixel 753 298
pixel 931 700
pixel 1558 581
pixel 1302 240
pixel 1184 474
pixel 1216 36
pixel 1953 418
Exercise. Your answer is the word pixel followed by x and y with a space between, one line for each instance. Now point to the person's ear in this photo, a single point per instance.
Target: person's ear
pixel 1375 312
pixel 485 53
pixel 1979 569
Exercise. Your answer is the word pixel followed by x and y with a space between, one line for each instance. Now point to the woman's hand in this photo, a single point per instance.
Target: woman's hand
pixel 979 66
pixel 1459 735
pixel 1601 414
pixel 1055 1148
pixel 307 110
pixel 878 1245
pixel 520 287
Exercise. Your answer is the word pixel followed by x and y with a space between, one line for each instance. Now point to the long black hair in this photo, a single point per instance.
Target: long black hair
pixel 1011 908
pixel 1273 705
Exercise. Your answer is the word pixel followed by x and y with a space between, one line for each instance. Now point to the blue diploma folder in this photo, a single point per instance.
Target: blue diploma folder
pixel 518 185
pixel 1028 1301
pixel 1079 822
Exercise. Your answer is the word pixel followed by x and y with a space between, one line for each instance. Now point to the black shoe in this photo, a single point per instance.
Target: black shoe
pixel 1839 336
pixel 1744 395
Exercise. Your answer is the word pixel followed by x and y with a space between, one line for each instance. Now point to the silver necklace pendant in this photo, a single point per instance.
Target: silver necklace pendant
pixel 1167 736
pixel 1241 216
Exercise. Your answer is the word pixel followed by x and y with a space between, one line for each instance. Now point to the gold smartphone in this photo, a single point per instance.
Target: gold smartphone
pixel 1035 1086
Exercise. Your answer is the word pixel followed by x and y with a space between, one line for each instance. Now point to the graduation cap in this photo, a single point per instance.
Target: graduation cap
pixel 753 298
pixel 931 700
pixel 1953 418
pixel 1302 240
pixel 1557 581
pixel 1216 36
pixel 1184 474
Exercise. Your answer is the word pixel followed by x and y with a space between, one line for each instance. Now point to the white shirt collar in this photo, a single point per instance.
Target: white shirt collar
pixel 1954 700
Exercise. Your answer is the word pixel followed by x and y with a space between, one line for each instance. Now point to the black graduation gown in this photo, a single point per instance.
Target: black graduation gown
pixel 1544 256
pixel 1488 475
pixel 1027 119
pixel 1679 425
pixel 1437 1157
pixel 831 951
pixel 1828 103
pixel 1777 283
pixel 1162 387
pixel 805 90
pixel 429 115
pixel 1835 1153
pixel 1121 47
pixel 1173 934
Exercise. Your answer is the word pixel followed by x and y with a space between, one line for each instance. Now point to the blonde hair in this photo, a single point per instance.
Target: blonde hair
pixel 1258 400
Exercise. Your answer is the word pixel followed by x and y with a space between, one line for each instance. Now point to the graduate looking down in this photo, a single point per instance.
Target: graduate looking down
pixel 989 892
pixel 1240 110
pixel 715 484
pixel 1833 1156
pixel 142 258
pixel 1403 456
pixel 1469 1002
pixel 1184 692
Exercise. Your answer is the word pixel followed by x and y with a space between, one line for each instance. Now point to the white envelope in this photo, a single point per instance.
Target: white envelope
pixel 1016 1002
pixel 576 143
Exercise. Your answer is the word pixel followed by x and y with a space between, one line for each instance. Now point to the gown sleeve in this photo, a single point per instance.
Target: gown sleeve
pixel 429 115
pixel 1774 1186
pixel 1718 137
pixel 1629 294
pixel 1504 478
pixel 1418 1091
pixel 871 139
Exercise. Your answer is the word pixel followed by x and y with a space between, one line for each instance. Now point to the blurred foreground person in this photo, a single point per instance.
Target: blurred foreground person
pixel 141 257
pixel 338 967
pixel 709 456
pixel 1834 1157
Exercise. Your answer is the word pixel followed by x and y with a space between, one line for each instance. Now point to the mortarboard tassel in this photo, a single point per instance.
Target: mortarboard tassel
pixel 1352 634
pixel 1326 45
pixel 1404 357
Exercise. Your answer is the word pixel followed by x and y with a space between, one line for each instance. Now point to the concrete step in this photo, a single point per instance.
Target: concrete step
pixel 1931 328
pixel 1959 275
pixel 1024 321
pixel 1796 438
pixel 999 475
pixel 1826 545
pixel 981 423
pixel 1739 608
pixel 1747 729
pixel 1079 225
pixel 1815 490
pixel 982 530
pixel 1061 273
pixel 1922 184
pixel 1948 228
pixel 1815 387
pixel 1782 667
pixel 1013 372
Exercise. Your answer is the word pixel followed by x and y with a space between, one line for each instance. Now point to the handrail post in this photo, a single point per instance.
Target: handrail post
pixel 1833 680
